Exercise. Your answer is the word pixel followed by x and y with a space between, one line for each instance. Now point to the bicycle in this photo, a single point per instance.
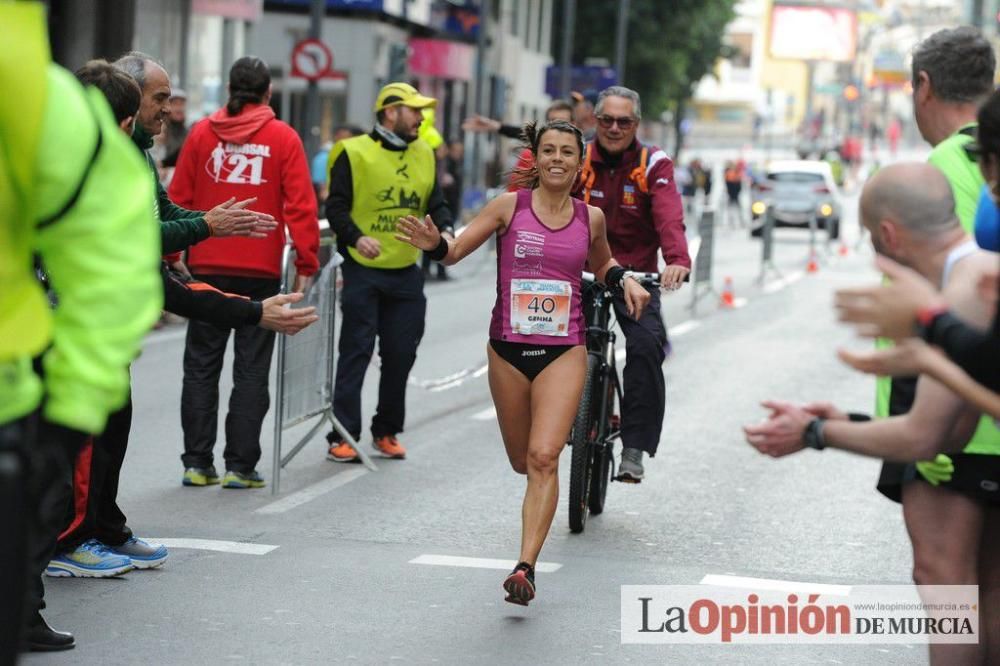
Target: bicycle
pixel 597 425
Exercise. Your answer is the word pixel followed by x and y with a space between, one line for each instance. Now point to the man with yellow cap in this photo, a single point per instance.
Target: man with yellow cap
pixel 376 179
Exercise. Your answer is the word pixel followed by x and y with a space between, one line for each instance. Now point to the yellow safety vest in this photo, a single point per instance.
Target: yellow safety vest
pixel 388 185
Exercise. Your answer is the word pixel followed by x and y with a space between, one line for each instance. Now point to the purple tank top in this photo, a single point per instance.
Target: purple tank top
pixel 538 278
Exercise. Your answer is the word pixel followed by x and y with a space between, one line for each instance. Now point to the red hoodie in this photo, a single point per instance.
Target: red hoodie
pixel 249 155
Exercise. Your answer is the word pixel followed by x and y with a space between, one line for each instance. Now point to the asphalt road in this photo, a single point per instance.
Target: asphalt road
pixel 329 575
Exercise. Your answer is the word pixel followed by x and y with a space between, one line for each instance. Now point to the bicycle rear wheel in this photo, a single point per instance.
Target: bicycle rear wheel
pixel 581 462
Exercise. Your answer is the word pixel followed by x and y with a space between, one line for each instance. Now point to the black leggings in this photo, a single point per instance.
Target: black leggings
pixel 530 360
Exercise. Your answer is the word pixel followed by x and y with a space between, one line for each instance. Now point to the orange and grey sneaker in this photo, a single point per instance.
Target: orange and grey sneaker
pixel 520 584
pixel 390 447
pixel 341 452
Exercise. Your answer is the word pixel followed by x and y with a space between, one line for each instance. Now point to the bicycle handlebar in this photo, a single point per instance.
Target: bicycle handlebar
pixel 645 279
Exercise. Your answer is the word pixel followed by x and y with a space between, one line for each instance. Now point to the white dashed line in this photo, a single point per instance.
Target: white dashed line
pixel 487 414
pixel 480 563
pixel 771 584
pixel 238 547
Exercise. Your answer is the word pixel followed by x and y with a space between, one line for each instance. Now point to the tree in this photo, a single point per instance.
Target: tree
pixel 672 45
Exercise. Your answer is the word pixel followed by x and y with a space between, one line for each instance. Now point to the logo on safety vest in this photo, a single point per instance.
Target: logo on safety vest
pixel 405 201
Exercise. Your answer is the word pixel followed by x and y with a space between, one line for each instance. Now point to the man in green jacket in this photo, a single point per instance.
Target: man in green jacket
pixel 75 193
pixel 181 227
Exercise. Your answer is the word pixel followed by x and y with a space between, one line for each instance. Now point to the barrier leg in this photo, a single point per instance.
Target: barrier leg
pixel 365 458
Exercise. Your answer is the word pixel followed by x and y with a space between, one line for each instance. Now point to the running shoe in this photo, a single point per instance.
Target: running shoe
pixel 390 447
pixel 241 481
pixel 342 452
pixel 630 469
pixel 520 584
pixel 200 476
pixel 91 559
pixel 144 555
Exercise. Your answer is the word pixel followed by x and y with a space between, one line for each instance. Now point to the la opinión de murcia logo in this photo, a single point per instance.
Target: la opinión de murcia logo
pixel 873 614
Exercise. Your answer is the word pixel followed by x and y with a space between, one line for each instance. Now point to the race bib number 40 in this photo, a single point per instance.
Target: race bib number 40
pixel 540 307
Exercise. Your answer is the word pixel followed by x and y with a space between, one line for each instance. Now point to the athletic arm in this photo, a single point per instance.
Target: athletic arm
pixel 494 217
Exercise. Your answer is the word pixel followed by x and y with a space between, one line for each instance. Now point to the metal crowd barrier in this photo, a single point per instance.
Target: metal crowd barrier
pixel 701 281
pixel 305 366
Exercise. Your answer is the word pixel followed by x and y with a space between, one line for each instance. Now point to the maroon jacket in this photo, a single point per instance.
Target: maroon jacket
pixel 640 223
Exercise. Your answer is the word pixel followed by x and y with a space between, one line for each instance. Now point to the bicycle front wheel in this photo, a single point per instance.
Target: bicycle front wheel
pixel 581 463
pixel 603 452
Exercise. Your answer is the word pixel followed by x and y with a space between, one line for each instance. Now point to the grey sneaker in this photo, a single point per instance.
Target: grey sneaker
pixel 630 468
pixel 144 555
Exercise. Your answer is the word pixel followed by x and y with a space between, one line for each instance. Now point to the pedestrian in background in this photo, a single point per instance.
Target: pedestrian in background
pixel 240 151
pixel 376 179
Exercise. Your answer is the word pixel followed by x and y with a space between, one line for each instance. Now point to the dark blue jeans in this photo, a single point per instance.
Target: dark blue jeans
pixel 645 389
pixel 388 305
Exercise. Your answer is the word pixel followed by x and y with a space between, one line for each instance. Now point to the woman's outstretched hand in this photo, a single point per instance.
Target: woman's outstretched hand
pixel 421 235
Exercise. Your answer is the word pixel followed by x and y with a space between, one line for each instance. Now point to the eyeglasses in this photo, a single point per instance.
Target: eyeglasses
pixel 625 123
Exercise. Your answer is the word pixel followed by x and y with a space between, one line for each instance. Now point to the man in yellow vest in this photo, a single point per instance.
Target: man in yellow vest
pixel 376 179
pixel 74 192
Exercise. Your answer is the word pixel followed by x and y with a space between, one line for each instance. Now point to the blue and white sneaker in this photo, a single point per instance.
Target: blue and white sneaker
pixel 144 555
pixel 91 559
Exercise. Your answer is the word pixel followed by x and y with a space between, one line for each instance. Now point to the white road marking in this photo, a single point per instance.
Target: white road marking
pixel 487 414
pixel 309 493
pixel 219 546
pixel 683 327
pixel 781 283
pixel 480 563
pixel 771 584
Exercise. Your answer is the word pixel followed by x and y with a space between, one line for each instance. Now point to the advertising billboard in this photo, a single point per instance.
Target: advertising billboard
pixel 804 32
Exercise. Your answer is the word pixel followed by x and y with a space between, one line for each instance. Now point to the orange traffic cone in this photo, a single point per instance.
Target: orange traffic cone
pixel 727 300
pixel 811 265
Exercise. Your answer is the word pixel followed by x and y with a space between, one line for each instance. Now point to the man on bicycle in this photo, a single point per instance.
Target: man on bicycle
pixel 634 185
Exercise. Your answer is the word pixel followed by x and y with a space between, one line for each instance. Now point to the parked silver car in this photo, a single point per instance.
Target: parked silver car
pixel 796 191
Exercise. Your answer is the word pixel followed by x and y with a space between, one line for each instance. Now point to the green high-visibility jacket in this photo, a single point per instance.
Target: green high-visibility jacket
pixel 74 192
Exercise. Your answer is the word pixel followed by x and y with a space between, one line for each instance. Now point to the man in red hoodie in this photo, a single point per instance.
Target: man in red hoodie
pixel 241 150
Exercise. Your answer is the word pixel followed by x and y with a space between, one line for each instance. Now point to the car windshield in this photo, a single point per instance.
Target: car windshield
pixel 795 177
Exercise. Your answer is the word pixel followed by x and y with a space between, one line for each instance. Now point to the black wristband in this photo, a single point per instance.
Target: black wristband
pixel 813 436
pixel 441 251
pixel 858 416
pixel 614 277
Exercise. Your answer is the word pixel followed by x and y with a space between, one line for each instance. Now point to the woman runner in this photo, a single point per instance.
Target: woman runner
pixel 537 358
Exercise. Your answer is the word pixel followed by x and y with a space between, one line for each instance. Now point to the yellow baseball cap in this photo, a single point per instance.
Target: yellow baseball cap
pixel 395 94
